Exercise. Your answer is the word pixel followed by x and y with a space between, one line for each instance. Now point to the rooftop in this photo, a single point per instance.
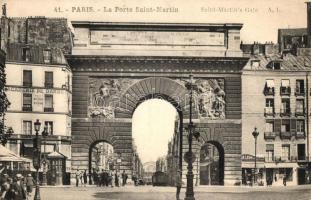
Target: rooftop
pixel 288 62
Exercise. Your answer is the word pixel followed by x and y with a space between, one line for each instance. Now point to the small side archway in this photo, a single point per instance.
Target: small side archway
pixel 96 161
pixel 212 163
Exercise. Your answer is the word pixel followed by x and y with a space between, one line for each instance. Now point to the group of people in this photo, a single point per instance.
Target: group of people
pixel 102 178
pixel 16 187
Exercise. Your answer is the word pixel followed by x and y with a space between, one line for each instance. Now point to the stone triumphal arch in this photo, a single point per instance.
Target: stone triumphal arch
pixel 117 66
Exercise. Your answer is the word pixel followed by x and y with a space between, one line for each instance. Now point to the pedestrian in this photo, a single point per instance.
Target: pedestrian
pixel 112 177
pixel 178 184
pixel 5 188
pixel 105 176
pixel 77 178
pixel 85 178
pixel 95 177
pixel 124 178
pixel 120 179
pixel 116 179
pixel 18 189
pixel 81 178
pixel 29 184
pixel 284 180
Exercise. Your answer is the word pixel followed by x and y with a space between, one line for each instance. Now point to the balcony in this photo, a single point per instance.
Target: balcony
pixel 285 90
pixel 299 112
pixel 300 135
pixel 300 92
pixel 286 135
pixel 285 112
pixel 48 109
pixel 269 111
pixel 269 91
pixel 270 135
pixel 27 108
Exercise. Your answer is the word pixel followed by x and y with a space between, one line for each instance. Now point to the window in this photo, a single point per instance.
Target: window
pixel 26 54
pixel 269 152
pixel 285 127
pixel 300 90
pixel 48 83
pixel 285 152
pixel 269 109
pixel 49 127
pixel 270 126
pixel 27 102
pixel 27 127
pixel 48 103
pixel 47 56
pixel 285 107
pixel 285 87
pixel 300 106
pixel 27 78
pixel 275 65
pixel 255 63
pixel 269 88
pixel 300 126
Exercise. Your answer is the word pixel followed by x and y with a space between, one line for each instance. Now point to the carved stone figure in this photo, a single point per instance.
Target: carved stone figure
pixel 104 95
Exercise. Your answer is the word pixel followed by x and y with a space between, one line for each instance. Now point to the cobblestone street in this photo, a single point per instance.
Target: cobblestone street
pixel 168 193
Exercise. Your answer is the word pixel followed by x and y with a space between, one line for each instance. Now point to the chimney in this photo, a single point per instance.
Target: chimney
pixel 309 22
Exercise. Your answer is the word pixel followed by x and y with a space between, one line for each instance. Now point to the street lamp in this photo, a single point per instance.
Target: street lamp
pixel 255 133
pixel 190 156
pixel 44 134
pixel 36 158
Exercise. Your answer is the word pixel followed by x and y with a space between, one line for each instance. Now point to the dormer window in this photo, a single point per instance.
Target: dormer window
pixel 269 87
pixel 26 54
pixel 47 56
pixel 275 65
pixel 255 63
pixel 285 87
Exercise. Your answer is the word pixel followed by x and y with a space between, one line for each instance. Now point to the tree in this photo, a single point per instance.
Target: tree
pixel 5 132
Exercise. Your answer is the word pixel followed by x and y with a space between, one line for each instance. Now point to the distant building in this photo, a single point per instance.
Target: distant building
pixel 149 168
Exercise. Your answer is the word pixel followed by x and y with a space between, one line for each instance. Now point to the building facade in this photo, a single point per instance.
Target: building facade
pixel 275 96
pixel 39 88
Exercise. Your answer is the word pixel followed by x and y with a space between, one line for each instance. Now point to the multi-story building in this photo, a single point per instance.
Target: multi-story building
pixel 275 96
pixel 39 88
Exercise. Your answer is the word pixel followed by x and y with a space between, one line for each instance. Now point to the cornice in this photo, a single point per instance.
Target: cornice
pixel 156 64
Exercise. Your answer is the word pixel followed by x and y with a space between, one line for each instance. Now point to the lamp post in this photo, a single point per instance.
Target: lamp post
pixel 44 134
pixel 255 133
pixel 189 156
pixel 36 158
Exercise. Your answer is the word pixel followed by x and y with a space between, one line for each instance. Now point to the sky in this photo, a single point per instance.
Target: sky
pixel 261 18
pixel 153 121
pixel 153 127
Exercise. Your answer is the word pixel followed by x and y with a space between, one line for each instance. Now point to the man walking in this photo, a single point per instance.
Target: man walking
pixel 178 184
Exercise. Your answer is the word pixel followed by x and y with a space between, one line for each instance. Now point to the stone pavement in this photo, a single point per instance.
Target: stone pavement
pixel 168 193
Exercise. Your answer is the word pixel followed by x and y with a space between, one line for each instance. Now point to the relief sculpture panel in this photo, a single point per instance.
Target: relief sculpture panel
pixel 105 95
pixel 209 97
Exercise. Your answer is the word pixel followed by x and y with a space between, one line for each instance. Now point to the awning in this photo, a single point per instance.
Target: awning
pixel 10 156
pixel 270 83
pixel 285 83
